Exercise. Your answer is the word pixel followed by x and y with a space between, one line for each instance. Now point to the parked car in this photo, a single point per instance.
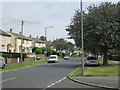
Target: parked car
pixel 91 60
pixel 53 58
pixel 66 57
pixel 37 58
pixel 2 62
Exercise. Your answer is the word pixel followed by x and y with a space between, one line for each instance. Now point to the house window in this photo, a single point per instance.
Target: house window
pixel 28 50
pixel 3 47
pixel 26 42
pixel 23 41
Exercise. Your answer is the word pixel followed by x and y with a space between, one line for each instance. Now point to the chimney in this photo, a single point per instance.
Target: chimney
pixel 20 33
pixel 30 36
pixel 37 37
pixel 10 30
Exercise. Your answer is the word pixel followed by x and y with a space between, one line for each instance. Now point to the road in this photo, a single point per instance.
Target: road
pixel 52 75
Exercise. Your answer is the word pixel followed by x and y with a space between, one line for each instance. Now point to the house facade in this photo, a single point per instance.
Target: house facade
pixel 16 42
pixel 11 42
pixel 5 42
pixel 36 42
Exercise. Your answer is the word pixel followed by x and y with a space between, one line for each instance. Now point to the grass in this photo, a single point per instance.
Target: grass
pixel 110 70
pixel 25 64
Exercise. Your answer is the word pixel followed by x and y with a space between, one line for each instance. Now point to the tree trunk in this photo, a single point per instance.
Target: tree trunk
pixel 105 58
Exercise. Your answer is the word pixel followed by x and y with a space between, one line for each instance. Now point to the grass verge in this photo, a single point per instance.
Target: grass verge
pixel 25 64
pixel 111 70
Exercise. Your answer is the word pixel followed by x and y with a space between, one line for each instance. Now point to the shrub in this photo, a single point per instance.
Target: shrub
pixel 13 55
pixel 38 51
pixel 7 55
pixel 34 49
pixel 114 56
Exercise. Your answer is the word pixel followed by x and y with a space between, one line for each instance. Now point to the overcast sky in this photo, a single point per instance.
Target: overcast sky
pixel 38 15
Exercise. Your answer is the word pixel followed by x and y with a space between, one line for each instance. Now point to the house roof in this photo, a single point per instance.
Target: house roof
pixel 36 39
pixel 19 36
pixel 48 43
pixel 4 33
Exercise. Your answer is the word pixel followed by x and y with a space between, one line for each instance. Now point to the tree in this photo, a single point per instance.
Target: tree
pixel 61 44
pixel 101 28
pixel 42 38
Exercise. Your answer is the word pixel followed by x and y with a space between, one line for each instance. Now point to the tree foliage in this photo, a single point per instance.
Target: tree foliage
pixel 61 44
pixel 101 28
pixel 42 38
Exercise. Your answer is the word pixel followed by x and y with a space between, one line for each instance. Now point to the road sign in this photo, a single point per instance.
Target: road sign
pixel 45 52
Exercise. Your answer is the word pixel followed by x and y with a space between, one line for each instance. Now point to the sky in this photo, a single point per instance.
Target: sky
pixel 39 14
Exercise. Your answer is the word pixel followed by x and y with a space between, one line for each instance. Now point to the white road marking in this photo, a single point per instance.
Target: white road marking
pixel 8 79
pixel 54 83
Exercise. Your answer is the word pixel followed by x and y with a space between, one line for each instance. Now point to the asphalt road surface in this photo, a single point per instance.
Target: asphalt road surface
pixel 52 75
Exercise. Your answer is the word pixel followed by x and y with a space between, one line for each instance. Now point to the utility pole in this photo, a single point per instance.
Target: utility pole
pixel 82 39
pixel 22 41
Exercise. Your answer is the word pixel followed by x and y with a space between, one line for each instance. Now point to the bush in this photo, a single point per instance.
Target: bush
pixel 38 51
pixel 13 55
pixel 7 55
pixel 114 56
pixel 34 49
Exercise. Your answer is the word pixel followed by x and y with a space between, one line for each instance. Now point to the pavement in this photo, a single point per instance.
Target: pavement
pixel 102 82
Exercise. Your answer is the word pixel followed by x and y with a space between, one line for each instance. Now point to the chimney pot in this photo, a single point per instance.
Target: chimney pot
pixel 10 30
pixel 20 33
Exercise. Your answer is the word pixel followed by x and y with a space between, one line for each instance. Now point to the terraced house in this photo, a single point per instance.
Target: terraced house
pixel 36 42
pixel 11 42
pixel 5 42
pixel 16 42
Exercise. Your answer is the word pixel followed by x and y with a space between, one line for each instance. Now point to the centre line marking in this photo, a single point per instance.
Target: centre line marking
pixel 55 82
pixel 8 79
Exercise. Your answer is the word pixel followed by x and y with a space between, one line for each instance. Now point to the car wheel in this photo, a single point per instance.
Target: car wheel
pixel 3 66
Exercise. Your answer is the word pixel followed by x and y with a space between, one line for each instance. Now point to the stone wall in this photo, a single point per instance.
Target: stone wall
pixel 29 59
pixel 11 60
pixel 15 60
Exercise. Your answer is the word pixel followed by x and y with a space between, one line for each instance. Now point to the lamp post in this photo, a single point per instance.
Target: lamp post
pixel 46 31
pixel 82 38
pixel 45 52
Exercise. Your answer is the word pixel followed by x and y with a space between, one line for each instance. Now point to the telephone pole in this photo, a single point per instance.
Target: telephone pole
pixel 82 39
pixel 22 41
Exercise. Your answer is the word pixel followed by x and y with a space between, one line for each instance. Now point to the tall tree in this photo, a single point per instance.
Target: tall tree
pixel 61 44
pixel 42 38
pixel 101 28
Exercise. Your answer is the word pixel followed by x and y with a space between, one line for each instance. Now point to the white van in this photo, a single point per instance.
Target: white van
pixel 53 58
pixel 2 62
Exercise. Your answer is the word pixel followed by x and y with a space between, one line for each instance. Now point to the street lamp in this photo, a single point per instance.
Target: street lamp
pixel 45 52
pixel 82 39
pixel 46 31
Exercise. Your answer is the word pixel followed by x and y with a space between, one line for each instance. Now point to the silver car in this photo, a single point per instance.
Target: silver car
pixel 66 57
pixel 91 60
pixel 2 62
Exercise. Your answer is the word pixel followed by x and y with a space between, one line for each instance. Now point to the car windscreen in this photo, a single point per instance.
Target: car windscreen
pixel 91 58
pixel 52 57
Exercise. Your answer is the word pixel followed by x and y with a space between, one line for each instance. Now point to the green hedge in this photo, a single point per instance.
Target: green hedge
pixel 114 56
pixel 13 55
